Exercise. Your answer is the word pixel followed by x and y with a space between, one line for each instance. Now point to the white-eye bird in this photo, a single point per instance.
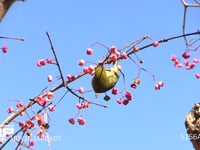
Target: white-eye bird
pixel 105 78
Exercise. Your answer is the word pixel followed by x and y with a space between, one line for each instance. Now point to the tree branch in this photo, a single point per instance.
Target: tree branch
pixel 5 5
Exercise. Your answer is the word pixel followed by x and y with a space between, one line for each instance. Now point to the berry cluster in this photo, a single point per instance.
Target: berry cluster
pixel 43 62
pixel 187 64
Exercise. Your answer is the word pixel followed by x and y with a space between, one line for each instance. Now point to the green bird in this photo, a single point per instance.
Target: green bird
pixel 105 78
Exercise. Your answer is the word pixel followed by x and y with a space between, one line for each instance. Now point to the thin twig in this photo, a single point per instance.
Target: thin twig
pixel 56 59
pixel 186 5
pixel 189 4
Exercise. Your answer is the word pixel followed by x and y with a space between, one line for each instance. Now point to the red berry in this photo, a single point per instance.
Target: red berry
pixel 52 108
pixel 125 102
pixel 155 43
pixel 71 120
pixel 134 86
pixel 128 95
pixel 22 124
pixel 89 51
pixel 5 49
pixel 30 124
pixel 10 110
pixel 40 133
pixel 114 50
pixel 124 55
pixel 115 91
pixel 31 143
pixel 186 55
pixel 41 101
pixel 41 62
pixel 81 62
pixel 19 104
pixel 70 77
pixel 81 121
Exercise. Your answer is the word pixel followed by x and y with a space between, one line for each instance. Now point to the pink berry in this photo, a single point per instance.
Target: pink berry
pixel 157 87
pixel 173 58
pixel 50 60
pixel 195 60
pixel 40 134
pixel 178 65
pixel 81 121
pixel 89 51
pixel 186 55
pixel 31 143
pixel 50 95
pixel 113 50
pixel 52 108
pixel 50 78
pixel 160 83
pixel 86 69
pixel 113 57
pixel 155 43
pixel 91 69
pixel 22 124
pixel 41 101
pixel 81 62
pixel 124 55
pixel 197 75
pixel 187 63
pixel 71 121
pixel 86 104
pixel 81 90
pixel 119 101
pixel 41 62
pixel 70 77
pixel 30 124
pixel 19 104
pixel 10 109
pixel 79 106
pixel 5 49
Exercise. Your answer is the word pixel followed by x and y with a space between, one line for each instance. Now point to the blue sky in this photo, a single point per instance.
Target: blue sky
pixel 153 120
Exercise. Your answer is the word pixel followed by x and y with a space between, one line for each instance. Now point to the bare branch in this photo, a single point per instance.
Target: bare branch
pixel 189 4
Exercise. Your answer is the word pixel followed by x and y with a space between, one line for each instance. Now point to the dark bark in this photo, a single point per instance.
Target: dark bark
pixel 192 124
pixel 4 6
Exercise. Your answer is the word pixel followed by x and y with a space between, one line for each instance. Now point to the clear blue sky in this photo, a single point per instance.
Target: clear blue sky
pixel 153 120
